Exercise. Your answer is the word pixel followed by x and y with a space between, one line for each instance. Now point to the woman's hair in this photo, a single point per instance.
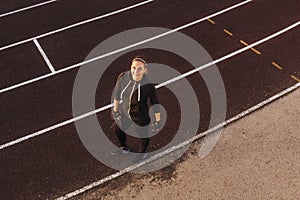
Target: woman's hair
pixel 139 58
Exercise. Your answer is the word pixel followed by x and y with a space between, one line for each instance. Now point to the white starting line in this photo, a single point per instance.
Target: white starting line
pixel 41 50
pixel 181 145
pixel 26 8
pixel 116 51
pixel 27 137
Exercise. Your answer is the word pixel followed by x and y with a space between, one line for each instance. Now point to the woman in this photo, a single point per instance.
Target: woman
pixel 132 92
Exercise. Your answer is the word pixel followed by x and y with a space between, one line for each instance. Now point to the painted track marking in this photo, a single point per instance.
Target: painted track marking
pixel 277 66
pixel 37 44
pixel 253 49
pixel 3 146
pixel 211 21
pixel 295 78
pixel 228 32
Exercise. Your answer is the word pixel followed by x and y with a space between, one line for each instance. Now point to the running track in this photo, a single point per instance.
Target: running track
pixel 56 163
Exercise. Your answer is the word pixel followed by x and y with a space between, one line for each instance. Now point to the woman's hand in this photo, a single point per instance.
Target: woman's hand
pixel 156 126
pixel 116 115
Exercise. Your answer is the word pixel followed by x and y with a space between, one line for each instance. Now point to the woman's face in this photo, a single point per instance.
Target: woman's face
pixel 138 69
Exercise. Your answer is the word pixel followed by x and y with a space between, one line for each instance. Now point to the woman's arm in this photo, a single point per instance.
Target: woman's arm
pixel 157 116
pixel 116 105
pixel 155 103
pixel 117 95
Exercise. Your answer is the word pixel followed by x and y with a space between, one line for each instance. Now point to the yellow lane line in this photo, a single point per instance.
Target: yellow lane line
pixel 228 32
pixel 253 49
pixel 211 21
pixel 295 78
pixel 277 66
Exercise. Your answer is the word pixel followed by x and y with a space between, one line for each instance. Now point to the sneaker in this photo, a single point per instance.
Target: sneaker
pixel 120 150
pixel 140 157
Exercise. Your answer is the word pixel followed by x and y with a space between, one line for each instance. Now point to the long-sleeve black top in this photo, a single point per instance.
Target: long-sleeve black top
pixel 135 95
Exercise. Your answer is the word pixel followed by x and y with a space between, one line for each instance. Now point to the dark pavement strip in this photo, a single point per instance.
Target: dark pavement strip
pixel 36 106
pixel 283 51
pixel 250 79
pixel 46 167
pixel 259 18
pixel 18 57
pixel 53 16
pixel 20 64
pixel 9 6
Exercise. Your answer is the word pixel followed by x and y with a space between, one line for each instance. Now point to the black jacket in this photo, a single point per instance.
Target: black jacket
pixel 134 96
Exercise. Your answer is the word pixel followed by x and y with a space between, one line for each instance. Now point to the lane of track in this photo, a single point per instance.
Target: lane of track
pixel 255 20
pixel 283 16
pixel 34 24
pixel 284 57
pixel 249 28
pixel 20 64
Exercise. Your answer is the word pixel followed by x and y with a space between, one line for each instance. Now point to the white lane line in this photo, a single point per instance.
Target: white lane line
pixel 76 24
pixel 158 86
pixel 125 48
pixel 26 8
pixel 37 44
pixel 167 151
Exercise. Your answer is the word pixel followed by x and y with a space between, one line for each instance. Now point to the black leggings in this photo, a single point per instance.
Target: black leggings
pixel 140 130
